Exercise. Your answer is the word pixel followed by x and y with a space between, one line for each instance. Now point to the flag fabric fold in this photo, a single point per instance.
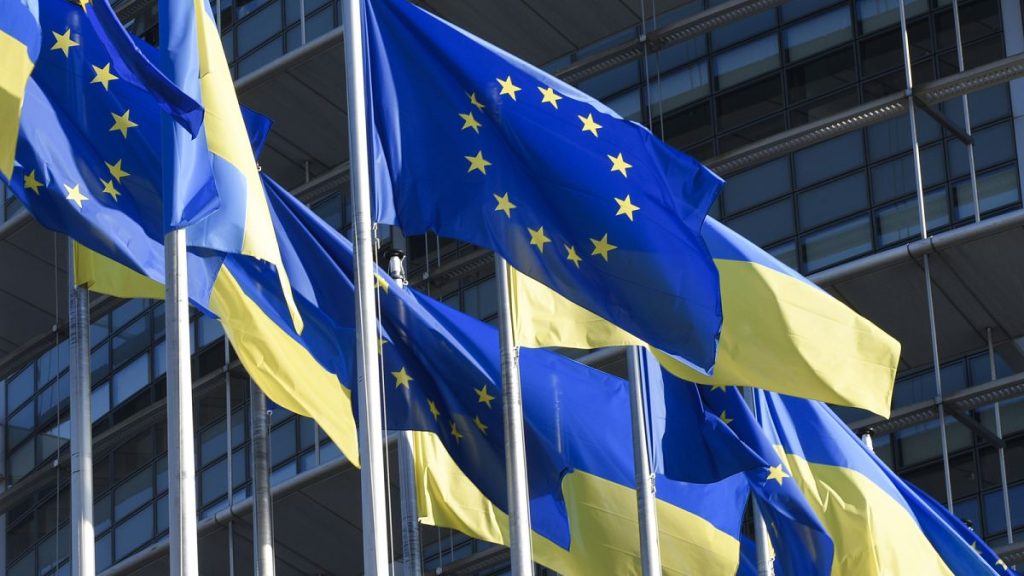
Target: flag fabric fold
pixel 475 144
pixel 19 48
pixel 780 331
pixel 880 524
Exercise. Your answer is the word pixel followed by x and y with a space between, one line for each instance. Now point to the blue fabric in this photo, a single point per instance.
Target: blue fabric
pixel 448 146
pixel 20 20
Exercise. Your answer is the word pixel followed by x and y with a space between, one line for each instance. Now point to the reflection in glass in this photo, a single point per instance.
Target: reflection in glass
pixel 817 34
pixel 995 190
pixel 833 200
pixel 902 220
pixel 837 244
pixel 747 61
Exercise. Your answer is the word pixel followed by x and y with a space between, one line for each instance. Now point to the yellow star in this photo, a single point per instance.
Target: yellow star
pixel 31 183
pixel 777 473
pixel 537 238
pixel 83 4
pixel 108 188
pixel 381 283
pixel 64 43
pixel 469 121
pixel 549 96
pixel 725 418
pixel 75 195
pixel 402 378
pixel 116 171
pixel 456 434
pixel 619 165
pixel 589 125
pixel 122 123
pixel 573 256
pixel 602 247
pixel 103 76
pixel 475 102
pixel 433 409
pixel 508 88
pixel 626 207
pixel 480 425
pixel 504 205
pixel 482 396
pixel 718 387
pixel 478 163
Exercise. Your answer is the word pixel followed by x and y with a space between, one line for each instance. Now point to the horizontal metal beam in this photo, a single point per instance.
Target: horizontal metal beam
pixel 931 93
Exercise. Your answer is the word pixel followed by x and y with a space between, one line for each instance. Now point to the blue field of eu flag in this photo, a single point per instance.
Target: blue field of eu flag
pixel 475 144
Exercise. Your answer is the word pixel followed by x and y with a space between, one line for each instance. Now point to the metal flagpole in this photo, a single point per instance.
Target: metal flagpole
pixel 371 445
pixel 967 118
pixel 520 539
pixel 228 445
pixel 412 548
pixel 1002 450
pixel 181 463
pixel 650 551
pixel 762 540
pixel 83 539
pixel 927 268
pixel 262 520
pixel 868 440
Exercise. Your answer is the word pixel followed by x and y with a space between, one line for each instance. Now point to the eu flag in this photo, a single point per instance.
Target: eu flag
pixel 475 144
pixel 19 47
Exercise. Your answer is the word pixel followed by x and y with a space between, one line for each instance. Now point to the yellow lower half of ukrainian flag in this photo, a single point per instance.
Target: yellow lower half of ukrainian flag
pixel 874 535
pixel 14 73
pixel 602 521
pixel 779 333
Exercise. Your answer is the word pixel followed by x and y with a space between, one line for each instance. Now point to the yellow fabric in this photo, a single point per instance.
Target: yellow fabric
pixel 279 365
pixel 227 138
pixel 102 275
pixel 14 73
pixel 873 534
pixel 282 368
pixel 778 334
pixel 602 519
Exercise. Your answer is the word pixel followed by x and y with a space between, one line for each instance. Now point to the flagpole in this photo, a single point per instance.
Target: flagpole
pixel 650 549
pixel 83 539
pixel 181 464
pixel 762 541
pixel 371 445
pixel 412 548
pixel 262 519
pixel 520 540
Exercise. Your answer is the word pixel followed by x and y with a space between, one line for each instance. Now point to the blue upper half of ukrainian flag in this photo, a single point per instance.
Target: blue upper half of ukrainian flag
pixel 475 144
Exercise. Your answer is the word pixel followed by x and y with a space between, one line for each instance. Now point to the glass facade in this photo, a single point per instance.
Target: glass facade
pixel 814 208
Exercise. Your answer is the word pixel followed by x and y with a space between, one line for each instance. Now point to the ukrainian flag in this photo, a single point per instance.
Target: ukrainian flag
pixel 879 523
pixel 19 47
pixel 780 331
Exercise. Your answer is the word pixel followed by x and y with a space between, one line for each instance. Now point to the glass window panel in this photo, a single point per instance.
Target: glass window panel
pixel 816 35
pixel 255 30
pixel 21 387
pixel 723 36
pixel 99 361
pixel 893 136
pixel 130 379
pixel 756 186
pixel 238 423
pixel 24 567
pixel 684 128
pixel 159 359
pixel 977 20
pixel 833 200
pixel 209 330
pixel 985 106
pixel 307 430
pixel 992 146
pixel 52 362
pixel 766 225
pixel 683 87
pixel 101 513
pixel 212 443
pixel 53 549
pixel 261 57
pixel 877 14
pixel 750 103
pixel 282 443
pixel 329 210
pixel 125 312
pixel 213 482
pixel 968 511
pixel 626 105
pixel 752 133
pixel 283 473
pixel 100 401
pixel 828 159
pixel 329 451
pixel 138 530
pixel 614 80
pixel 678 54
pixel 162 513
pixel 995 190
pixel 239 467
pixel 159 321
pixel 897 178
pixel 821 76
pixel 133 493
pixel 837 244
pixel 901 221
pixel 99 330
pixel 995 512
pixel 320 24
pixel 786 253
pixel 793 9
pixel 104 557
pixel 130 341
pixel 823 107
pixel 21 425
pixel 22 461
pixel 747 61
pixel 49 441
pixel 161 474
